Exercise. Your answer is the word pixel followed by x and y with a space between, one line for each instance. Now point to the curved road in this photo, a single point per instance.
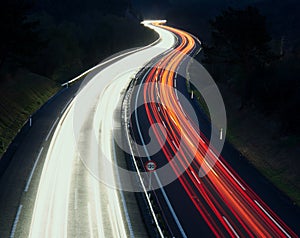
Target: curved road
pixel 62 197
pixel 220 203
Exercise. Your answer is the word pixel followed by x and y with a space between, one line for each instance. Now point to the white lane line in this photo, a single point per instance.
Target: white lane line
pixel 52 127
pixel 13 230
pixel 156 176
pixel 33 169
pixel 90 220
pixel 175 84
pixel 230 226
pixel 221 134
pixel 67 104
pixel 204 143
pixel 170 206
pixel 176 94
pixel 228 171
pixel 175 145
pixel 182 109
pixel 257 203
pixel 195 176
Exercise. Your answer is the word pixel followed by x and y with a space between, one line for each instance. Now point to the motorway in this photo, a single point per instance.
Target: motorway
pixel 209 198
pixel 61 181
pixel 53 185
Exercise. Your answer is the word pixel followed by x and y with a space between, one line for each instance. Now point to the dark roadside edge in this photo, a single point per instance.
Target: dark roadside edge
pixel 16 174
pixel 21 134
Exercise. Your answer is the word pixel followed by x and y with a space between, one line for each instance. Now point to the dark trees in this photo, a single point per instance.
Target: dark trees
pixel 19 40
pixel 240 37
pixel 241 56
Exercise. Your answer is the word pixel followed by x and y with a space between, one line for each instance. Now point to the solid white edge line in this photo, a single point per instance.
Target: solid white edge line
pixel 14 227
pixel 33 169
pixel 157 178
pixel 141 180
pixel 257 203
pixel 67 104
pixel 51 129
pixel 145 190
pixel 182 109
pixel 230 226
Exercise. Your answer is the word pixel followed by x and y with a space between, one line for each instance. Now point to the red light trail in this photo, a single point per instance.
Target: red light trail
pixel 226 203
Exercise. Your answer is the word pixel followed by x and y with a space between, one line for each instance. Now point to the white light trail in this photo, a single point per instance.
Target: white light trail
pixel 51 208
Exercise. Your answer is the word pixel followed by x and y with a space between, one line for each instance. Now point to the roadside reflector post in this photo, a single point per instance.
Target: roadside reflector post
pixel 221 134
pixel 30 121
pixel 192 95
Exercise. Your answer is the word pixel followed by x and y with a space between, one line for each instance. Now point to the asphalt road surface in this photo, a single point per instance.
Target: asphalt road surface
pixel 232 199
pixel 51 187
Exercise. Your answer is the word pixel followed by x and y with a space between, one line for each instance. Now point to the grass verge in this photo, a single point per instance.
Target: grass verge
pixel 20 96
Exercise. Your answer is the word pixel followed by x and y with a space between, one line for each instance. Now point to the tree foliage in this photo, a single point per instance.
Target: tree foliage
pixel 240 37
pixel 240 55
pixel 19 39
pixel 240 40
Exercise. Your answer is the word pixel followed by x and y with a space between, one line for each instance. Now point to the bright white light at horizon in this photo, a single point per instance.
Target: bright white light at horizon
pixel 145 22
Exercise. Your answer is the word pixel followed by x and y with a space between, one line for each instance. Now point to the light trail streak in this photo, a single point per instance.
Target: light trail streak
pixel 232 197
pixel 51 207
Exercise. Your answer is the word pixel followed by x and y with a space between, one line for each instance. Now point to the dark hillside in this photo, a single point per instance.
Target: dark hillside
pixel 47 42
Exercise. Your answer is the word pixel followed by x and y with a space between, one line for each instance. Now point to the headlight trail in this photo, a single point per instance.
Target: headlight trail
pixel 69 183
